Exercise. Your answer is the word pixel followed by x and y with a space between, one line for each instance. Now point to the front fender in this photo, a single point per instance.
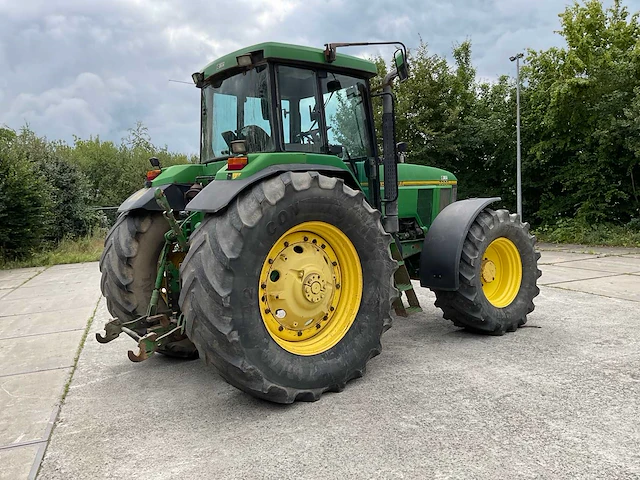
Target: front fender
pixel 143 199
pixel 219 193
pixel 440 257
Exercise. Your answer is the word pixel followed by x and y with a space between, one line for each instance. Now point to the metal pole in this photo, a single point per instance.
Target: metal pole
pixel 519 160
pixel 517 58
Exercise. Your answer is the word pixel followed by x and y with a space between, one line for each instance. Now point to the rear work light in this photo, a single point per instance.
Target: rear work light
pixel 151 174
pixel 236 163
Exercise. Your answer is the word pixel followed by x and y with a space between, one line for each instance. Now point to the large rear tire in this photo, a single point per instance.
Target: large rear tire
pixel 129 265
pixel 498 275
pixel 288 291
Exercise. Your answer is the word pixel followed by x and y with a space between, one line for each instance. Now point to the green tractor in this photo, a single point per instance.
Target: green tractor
pixel 279 257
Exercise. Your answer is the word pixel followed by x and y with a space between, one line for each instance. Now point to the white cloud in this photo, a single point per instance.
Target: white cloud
pixel 96 67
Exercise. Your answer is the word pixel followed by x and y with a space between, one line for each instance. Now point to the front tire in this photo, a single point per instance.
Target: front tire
pixel 498 275
pixel 288 291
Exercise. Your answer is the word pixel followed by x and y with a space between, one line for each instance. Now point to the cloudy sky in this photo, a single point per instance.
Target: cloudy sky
pixel 95 67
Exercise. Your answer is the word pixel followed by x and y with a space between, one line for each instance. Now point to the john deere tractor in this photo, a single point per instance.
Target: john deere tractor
pixel 279 257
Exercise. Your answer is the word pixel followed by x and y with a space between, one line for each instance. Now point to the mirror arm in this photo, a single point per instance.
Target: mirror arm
pixel 390 77
pixel 331 48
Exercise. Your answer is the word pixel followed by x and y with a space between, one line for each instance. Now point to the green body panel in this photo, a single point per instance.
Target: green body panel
pixel 186 173
pixel 297 53
pixel 421 189
pixel 412 180
pixel 259 161
pixel 408 171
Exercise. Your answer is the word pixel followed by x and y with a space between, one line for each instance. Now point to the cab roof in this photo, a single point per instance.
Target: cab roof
pixel 284 51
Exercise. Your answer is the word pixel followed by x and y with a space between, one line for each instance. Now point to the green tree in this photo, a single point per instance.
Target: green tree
pixel 24 197
pixel 580 112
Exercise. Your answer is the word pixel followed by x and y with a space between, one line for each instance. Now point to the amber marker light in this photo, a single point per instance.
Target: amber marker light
pixel 236 163
pixel 151 174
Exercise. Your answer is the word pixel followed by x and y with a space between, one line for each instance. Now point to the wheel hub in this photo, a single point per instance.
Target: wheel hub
pixel 303 304
pixel 300 289
pixel 501 272
pixel 314 287
pixel 488 271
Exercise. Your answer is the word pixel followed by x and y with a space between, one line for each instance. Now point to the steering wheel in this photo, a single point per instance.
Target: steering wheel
pixel 312 135
pixel 257 140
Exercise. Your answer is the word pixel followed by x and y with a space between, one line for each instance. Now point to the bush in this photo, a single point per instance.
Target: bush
pixel 50 191
pixel 24 198
pixel 577 231
pixel 71 214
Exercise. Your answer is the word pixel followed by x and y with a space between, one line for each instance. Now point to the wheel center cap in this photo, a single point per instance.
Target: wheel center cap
pixel 488 271
pixel 313 287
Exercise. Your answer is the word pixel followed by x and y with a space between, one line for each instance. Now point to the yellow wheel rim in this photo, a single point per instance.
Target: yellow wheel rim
pixel 310 288
pixel 501 272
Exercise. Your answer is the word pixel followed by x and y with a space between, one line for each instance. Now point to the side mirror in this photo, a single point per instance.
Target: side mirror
pixel 402 66
pixel 401 150
pixel 154 162
pixel 336 150
pixel 333 86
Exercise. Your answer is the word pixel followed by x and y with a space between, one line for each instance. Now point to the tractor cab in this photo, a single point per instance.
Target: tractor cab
pixel 266 104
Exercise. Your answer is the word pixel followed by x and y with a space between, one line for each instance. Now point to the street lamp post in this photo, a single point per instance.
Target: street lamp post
pixel 516 58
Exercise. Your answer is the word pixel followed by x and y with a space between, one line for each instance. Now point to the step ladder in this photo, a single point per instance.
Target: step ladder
pixel 403 284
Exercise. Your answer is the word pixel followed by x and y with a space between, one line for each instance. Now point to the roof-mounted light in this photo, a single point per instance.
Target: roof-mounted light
pixel 198 79
pixel 244 60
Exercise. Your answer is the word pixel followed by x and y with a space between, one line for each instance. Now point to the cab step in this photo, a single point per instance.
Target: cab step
pixel 404 285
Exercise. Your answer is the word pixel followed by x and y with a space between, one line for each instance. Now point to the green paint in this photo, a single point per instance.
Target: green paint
pixel 282 51
pixel 259 161
pixel 408 171
pixel 186 173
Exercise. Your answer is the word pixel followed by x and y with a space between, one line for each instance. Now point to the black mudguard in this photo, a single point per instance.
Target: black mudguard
pixel 144 198
pixel 219 193
pixel 440 258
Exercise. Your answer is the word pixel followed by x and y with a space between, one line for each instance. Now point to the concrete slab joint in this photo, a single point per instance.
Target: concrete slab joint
pixel 557 401
pixel 43 315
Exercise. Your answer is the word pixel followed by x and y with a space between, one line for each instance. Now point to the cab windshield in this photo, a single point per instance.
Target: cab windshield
pixel 237 108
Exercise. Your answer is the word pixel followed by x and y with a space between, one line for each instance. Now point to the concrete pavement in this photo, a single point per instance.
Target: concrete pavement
pixel 43 315
pixel 558 400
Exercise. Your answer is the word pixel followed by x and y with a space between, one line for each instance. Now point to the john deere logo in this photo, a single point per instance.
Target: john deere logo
pixel 444 178
pixel 220 65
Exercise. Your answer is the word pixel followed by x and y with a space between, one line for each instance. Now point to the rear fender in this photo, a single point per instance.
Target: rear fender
pixel 144 198
pixel 442 248
pixel 219 193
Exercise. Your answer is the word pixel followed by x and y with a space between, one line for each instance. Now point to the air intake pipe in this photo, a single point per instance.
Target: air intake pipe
pixel 389 158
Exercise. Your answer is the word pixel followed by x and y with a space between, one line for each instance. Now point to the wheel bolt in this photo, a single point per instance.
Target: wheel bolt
pixel 306 239
pixel 263 286
pixel 286 244
pixel 317 325
pixel 270 261
pixel 325 317
pixel 331 308
pixel 322 246
pixel 299 333
pixel 334 263
pixel 314 241
pixel 264 299
pixel 337 285
pixel 280 328
pixel 267 311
